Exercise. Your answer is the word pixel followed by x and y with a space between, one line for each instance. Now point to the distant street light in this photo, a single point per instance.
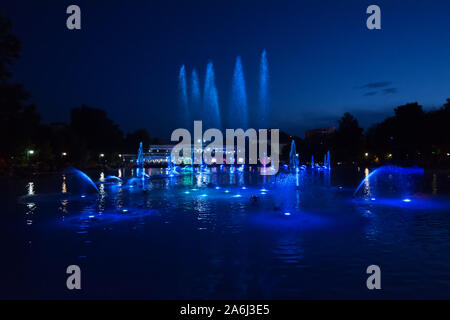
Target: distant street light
pixel 29 153
pixel 102 155
pixel 120 156
pixel 366 154
pixel 64 154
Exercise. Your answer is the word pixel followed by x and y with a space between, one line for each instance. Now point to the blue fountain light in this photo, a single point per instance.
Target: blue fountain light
pixel 182 84
pixel 406 200
pixel 263 89
pixel 195 93
pixel 390 181
pixel 287 213
pixel 85 177
pixel 210 99
pixel 238 109
pixel 113 178
pixel 293 158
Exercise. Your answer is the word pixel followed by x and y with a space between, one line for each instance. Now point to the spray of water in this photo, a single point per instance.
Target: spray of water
pixel 263 89
pixel 182 87
pixel 195 94
pixel 211 99
pixel 83 176
pixel 238 116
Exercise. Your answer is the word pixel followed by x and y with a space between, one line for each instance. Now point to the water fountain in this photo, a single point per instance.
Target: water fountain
pixel 83 176
pixel 390 182
pixel 238 115
pixel 195 96
pixel 263 89
pixel 112 179
pixel 293 158
pixel 211 100
pixel 140 161
pixel 182 87
pixel 326 161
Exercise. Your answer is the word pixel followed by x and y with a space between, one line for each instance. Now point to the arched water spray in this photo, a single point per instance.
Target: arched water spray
pixel 195 95
pixel 390 182
pixel 263 88
pixel 238 117
pixel 84 177
pixel 211 111
pixel 182 87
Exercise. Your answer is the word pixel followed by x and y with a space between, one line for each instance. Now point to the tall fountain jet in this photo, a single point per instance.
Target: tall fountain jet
pixel 195 96
pixel 293 159
pixel 327 160
pixel 211 113
pixel 182 87
pixel 263 89
pixel 238 114
pixel 140 160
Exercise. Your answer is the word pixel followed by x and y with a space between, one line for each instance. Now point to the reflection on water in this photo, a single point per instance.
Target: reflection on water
pixel 367 182
pixel 30 188
pixel 64 184
pixel 230 233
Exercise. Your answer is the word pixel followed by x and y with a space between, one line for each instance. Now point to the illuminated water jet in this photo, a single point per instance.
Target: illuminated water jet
pixel 211 100
pixel 182 87
pixel 238 114
pixel 263 89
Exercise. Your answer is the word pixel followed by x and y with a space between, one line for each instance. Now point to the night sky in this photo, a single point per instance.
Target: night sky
pixel 323 60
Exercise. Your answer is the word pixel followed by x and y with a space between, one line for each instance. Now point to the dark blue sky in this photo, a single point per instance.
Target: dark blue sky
pixel 323 60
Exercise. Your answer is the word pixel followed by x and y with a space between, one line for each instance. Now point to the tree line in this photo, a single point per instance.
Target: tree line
pixel 411 135
pixel 88 139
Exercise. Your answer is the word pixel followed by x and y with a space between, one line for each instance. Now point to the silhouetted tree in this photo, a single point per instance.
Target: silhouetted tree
pixel 18 121
pixel 10 48
pixel 132 140
pixel 402 137
pixel 96 131
pixel 348 139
